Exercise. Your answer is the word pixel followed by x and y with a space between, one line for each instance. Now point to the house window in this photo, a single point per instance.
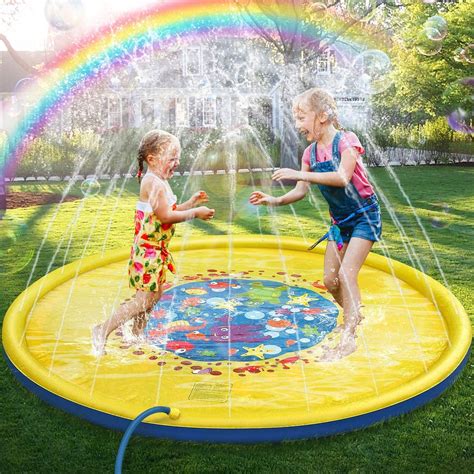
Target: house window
pixel 115 112
pixel 148 110
pixel 182 118
pixel 195 112
pixel 267 115
pixel 192 62
pixel 209 112
pixel 171 113
pixel 326 62
pixel 126 116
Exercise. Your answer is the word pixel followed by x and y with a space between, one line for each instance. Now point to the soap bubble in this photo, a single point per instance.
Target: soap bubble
pixel 467 53
pixel 361 9
pixel 458 55
pixel 319 8
pixel 440 212
pixel 373 68
pixel 433 34
pixel 115 83
pixel 64 14
pixel 12 106
pixel 90 187
pixel 16 245
pixel 436 28
pixel 426 46
pixel 461 120
pixel 460 96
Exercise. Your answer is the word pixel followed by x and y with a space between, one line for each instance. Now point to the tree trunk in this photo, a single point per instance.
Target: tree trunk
pixel 3 196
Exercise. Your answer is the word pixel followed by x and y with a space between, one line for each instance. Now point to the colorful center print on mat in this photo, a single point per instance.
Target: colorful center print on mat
pixel 239 320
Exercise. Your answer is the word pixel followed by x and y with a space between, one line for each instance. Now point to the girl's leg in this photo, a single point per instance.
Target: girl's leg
pixel 142 302
pixel 355 256
pixel 140 320
pixel 332 262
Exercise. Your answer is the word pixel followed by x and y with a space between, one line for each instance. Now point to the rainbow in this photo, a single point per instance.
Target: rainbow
pixel 111 47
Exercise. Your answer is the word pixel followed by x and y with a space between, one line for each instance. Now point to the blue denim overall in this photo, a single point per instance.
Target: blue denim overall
pixel 351 215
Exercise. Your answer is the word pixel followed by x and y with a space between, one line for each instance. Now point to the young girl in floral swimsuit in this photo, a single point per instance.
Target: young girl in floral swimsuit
pixel 155 216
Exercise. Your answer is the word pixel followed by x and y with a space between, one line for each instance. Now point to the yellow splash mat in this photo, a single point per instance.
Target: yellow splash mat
pixel 266 374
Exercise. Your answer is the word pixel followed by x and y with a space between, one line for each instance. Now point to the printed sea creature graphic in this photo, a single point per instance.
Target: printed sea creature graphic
pixel 195 291
pixel 237 333
pixel 191 302
pixel 220 286
pixel 230 328
pixel 253 369
pixel 308 330
pixel 258 351
pixel 197 336
pixel 289 360
pixel 278 323
pixel 311 311
pixel 179 346
pixel 302 300
pixel 259 293
pixel 176 326
pixel 316 284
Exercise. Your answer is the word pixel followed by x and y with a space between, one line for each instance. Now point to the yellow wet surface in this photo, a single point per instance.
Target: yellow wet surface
pixel 399 340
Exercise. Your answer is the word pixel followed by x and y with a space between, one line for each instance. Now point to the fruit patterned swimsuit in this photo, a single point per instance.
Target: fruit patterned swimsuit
pixel 149 257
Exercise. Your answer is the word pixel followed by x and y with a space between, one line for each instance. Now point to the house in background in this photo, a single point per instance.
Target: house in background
pixel 218 84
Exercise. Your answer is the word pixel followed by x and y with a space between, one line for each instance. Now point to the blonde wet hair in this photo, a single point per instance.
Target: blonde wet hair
pixel 319 101
pixel 155 142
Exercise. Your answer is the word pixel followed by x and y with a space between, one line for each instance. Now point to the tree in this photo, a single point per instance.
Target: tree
pixel 428 74
pixel 295 51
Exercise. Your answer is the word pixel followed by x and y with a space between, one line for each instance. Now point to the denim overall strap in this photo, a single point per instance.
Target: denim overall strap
pixel 344 203
pixel 335 151
pixel 313 155
pixel 334 230
pixel 335 147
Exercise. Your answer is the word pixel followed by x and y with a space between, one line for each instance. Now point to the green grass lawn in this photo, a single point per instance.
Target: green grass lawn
pixel 435 438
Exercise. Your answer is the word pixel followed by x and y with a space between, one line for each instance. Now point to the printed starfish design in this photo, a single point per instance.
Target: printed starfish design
pixel 258 351
pixel 230 305
pixel 302 300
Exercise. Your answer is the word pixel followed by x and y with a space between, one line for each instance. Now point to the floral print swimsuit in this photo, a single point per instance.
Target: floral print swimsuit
pixel 149 256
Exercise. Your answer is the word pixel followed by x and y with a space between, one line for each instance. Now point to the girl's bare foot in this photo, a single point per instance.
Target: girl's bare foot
pixel 98 341
pixel 139 325
pixel 346 346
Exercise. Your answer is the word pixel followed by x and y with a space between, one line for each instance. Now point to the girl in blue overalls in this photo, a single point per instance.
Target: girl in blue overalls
pixel 333 162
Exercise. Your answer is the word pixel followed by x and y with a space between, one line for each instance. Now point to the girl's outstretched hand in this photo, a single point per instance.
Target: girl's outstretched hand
pixel 257 198
pixel 286 173
pixel 204 213
pixel 199 197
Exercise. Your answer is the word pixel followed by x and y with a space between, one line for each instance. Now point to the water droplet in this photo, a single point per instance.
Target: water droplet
pixel 426 46
pixel 374 69
pixel 460 94
pixel 436 28
pixel 361 9
pixel 16 245
pixel 440 221
pixel 90 187
pixel 64 14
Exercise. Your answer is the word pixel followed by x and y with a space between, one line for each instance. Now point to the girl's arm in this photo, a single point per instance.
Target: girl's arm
pixel 166 215
pixel 296 194
pixel 197 198
pixel 339 178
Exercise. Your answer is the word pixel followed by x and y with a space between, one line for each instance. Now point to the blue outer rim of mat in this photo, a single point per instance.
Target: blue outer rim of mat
pixel 239 435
